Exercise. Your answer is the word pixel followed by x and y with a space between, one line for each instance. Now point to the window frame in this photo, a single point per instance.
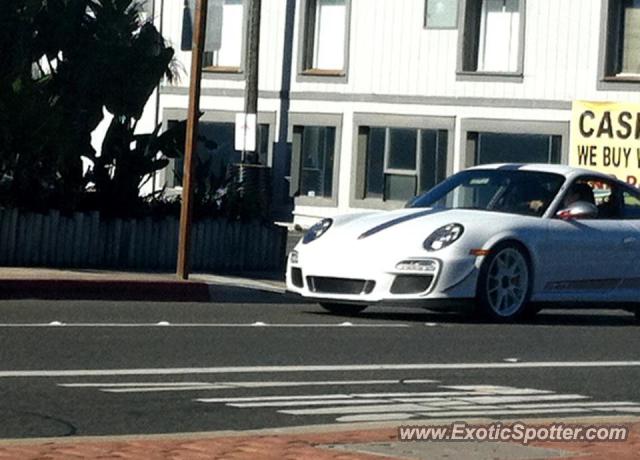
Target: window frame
pixel 214 116
pixel 308 119
pixel 357 198
pixel 503 126
pixel 308 74
pixel 607 56
pixel 469 17
pixel 426 17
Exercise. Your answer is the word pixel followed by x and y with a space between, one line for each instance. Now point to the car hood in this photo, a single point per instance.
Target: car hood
pixel 410 227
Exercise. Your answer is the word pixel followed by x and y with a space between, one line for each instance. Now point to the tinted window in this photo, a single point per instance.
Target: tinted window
pixel 511 191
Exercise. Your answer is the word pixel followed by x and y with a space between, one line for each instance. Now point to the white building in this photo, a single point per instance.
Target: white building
pixel 364 103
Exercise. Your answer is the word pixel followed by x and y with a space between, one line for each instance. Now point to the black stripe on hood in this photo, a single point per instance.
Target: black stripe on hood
pixel 397 221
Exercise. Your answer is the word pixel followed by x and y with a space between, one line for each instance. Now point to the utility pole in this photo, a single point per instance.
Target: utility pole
pixel 184 242
pixel 252 57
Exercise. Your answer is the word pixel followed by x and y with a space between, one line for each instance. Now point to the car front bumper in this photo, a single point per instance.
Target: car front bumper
pixel 369 281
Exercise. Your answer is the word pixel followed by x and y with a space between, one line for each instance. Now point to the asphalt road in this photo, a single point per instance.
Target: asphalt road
pixel 258 360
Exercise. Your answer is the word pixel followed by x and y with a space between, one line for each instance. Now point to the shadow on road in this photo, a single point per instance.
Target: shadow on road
pixel 241 295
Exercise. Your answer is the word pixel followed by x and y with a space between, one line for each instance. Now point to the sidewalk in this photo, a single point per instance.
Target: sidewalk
pixel 86 284
pixel 322 443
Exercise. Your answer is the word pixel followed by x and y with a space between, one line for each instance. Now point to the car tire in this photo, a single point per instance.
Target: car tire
pixel 504 284
pixel 342 309
pixel 637 313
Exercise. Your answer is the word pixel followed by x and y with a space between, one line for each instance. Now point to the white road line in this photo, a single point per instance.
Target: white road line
pixel 434 397
pixel 133 384
pixel 360 409
pixel 494 389
pixel 59 325
pixel 270 398
pixel 373 397
pixel 437 394
pixel 387 406
pixel 635 410
pixel 516 399
pixel 316 368
pixel 232 385
pixel 163 387
pixel 327 402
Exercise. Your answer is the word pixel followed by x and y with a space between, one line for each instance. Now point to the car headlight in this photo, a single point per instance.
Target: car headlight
pixel 317 230
pixel 443 237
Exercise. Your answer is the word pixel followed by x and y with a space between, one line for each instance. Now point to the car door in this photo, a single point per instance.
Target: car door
pixel 585 257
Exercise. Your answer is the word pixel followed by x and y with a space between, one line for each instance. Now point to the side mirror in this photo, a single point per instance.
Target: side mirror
pixel 578 210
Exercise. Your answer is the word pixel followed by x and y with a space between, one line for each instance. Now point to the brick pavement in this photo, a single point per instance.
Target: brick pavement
pixel 272 446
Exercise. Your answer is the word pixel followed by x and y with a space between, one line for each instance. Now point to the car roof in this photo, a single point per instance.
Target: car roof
pixel 564 170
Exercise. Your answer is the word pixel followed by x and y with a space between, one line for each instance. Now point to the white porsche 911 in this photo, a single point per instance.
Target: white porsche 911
pixel 507 237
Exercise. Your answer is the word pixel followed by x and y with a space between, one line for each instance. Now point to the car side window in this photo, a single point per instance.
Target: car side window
pixel 606 195
pixel 631 205
pixel 608 199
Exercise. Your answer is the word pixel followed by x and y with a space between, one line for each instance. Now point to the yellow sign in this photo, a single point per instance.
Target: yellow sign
pixel 605 136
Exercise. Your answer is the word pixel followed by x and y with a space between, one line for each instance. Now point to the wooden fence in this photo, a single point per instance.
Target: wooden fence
pixel 87 241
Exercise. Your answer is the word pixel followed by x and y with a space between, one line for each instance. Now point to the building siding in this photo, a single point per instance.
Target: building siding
pixel 397 66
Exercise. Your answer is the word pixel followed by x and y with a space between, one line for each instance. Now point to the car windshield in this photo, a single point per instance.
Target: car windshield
pixel 502 190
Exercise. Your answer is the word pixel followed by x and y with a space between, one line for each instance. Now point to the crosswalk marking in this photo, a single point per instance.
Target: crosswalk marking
pixel 408 407
pixel 419 398
pixel 445 401
pixel 273 398
pixel 326 402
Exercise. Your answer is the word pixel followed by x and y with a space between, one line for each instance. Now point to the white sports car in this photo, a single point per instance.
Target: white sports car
pixel 507 237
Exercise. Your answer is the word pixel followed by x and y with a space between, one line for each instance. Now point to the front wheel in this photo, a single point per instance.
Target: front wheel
pixel 504 284
pixel 343 309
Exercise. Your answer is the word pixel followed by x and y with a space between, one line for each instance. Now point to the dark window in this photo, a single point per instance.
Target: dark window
pixel 503 190
pixel 516 148
pixel 375 162
pixel 631 205
pixel 316 146
pixel 400 162
pixel 216 153
pixel 402 148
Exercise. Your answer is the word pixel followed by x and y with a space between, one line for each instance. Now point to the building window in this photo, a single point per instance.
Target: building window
pixel 401 162
pixel 315 148
pixel 623 39
pixel 216 154
pixel 493 37
pixel 441 14
pixel 515 148
pixel 224 36
pixel 325 37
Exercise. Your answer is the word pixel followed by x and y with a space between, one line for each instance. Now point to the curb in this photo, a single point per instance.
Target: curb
pixel 71 289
